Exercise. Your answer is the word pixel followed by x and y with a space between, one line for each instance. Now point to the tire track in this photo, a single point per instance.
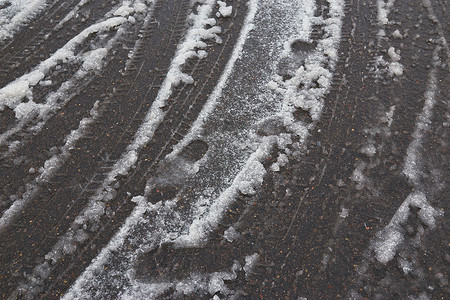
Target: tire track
pixel 34 35
pixel 58 195
pixel 306 248
pixel 32 47
pixel 37 145
pixel 187 103
pixel 319 247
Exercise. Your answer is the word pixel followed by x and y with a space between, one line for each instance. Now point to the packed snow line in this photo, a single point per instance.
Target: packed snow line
pixel 17 14
pixel 50 167
pixel 413 168
pixel 71 14
pixel 433 17
pixel 92 60
pixel 192 46
pixel 246 182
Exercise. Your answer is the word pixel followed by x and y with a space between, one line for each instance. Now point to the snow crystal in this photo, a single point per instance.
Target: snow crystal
pixel 344 213
pixel 250 262
pixel 272 85
pixel 252 178
pixel 275 167
pixel 387 246
pixel 395 56
pixel 358 175
pixel 395 68
pixel 45 82
pixel 124 11
pixel 25 109
pixel 369 150
pixel 384 9
pixel 93 59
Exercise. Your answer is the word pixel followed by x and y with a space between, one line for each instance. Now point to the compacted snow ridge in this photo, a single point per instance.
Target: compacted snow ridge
pixel 241 169
pixel 17 14
pixel 91 61
pixel 18 95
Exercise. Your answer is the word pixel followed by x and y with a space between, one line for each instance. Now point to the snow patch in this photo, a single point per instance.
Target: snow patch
pixel 388 240
pixel 384 8
pixel 224 10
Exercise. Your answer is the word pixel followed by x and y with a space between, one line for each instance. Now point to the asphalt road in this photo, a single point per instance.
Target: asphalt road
pixel 170 167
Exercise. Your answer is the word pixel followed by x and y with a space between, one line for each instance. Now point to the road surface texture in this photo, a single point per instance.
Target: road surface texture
pixel 204 149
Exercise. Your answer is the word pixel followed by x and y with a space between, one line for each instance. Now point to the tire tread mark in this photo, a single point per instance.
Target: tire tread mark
pixel 77 167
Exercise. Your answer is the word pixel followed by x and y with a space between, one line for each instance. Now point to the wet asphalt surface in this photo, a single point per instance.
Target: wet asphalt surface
pixel 305 247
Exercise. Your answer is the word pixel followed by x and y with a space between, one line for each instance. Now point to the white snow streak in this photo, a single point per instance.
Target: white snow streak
pixel 151 291
pixel 17 15
pixel 12 94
